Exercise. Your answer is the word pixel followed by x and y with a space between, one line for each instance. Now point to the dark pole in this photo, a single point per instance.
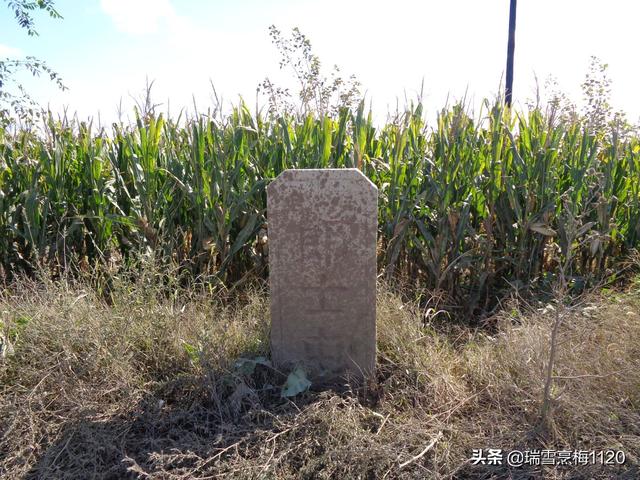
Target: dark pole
pixel 511 45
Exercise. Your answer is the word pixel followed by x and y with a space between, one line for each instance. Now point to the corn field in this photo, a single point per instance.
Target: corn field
pixel 467 207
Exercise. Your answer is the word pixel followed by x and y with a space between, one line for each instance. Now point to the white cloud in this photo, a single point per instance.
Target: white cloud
pixel 456 47
pixel 180 53
pixel 10 52
pixel 139 17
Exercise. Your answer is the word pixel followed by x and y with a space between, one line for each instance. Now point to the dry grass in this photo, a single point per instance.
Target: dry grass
pixel 147 388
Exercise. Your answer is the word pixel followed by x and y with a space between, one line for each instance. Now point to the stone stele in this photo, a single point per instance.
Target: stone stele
pixel 322 226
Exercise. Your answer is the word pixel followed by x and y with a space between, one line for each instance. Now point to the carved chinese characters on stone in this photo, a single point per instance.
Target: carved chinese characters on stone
pixel 322 262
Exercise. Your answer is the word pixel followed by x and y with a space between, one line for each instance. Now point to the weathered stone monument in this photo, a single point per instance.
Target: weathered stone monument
pixel 322 270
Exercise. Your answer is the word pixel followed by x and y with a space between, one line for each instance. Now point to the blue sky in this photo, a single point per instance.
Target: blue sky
pixel 105 49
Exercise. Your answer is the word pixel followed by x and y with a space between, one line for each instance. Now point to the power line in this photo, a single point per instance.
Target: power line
pixel 511 45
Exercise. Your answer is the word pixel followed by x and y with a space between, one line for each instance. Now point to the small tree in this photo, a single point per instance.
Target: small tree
pixel 13 96
pixel 598 113
pixel 319 93
pixel 596 90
